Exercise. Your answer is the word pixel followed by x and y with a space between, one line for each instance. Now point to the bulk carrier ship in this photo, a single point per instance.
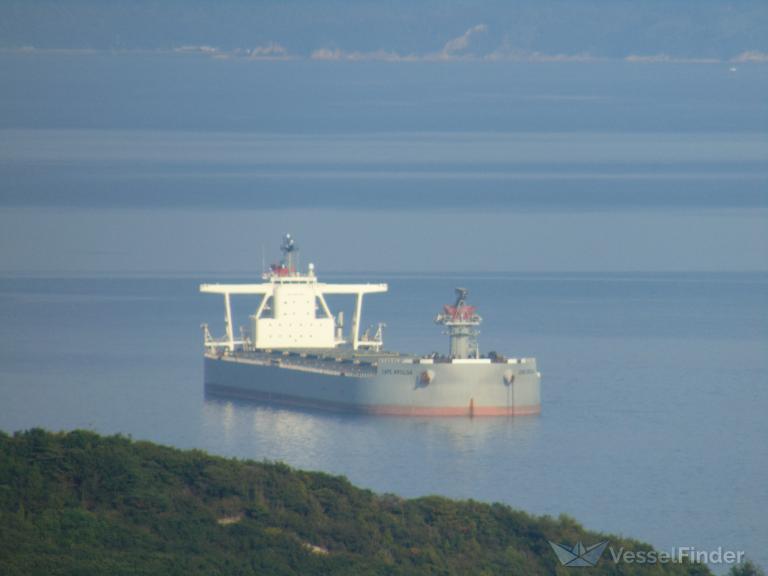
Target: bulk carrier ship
pixel 296 352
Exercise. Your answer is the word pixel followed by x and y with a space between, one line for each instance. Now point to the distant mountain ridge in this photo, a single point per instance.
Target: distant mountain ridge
pixel 617 29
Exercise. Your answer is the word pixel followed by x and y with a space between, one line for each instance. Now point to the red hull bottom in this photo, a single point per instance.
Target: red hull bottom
pixel 452 410
pixel 376 409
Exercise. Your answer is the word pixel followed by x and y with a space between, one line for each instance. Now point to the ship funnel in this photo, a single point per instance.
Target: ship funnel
pixel 461 322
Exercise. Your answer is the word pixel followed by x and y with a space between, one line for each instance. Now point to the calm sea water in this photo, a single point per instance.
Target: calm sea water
pixel 654 393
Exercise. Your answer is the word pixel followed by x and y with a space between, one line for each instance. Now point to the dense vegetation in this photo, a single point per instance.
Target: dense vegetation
pixel 79 503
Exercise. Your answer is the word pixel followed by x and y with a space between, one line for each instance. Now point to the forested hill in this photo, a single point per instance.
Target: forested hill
pixel 80 503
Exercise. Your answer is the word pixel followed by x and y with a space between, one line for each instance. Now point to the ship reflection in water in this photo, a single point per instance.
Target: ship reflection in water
pixel 407 449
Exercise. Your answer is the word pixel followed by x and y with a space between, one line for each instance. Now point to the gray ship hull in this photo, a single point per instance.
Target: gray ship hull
pixel 393 386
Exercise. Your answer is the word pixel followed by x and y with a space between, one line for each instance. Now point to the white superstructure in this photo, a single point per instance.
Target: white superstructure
pixel 292 311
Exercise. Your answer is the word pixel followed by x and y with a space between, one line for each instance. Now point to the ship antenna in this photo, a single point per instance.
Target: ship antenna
pixel 290 254
pixel 461 296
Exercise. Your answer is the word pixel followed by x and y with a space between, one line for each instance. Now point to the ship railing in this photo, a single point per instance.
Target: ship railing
pixel 216 344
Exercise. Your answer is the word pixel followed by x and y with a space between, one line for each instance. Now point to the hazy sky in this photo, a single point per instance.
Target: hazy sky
pixel 578 135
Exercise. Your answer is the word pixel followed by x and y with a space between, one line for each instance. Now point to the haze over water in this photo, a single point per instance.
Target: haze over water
pixel 603 195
